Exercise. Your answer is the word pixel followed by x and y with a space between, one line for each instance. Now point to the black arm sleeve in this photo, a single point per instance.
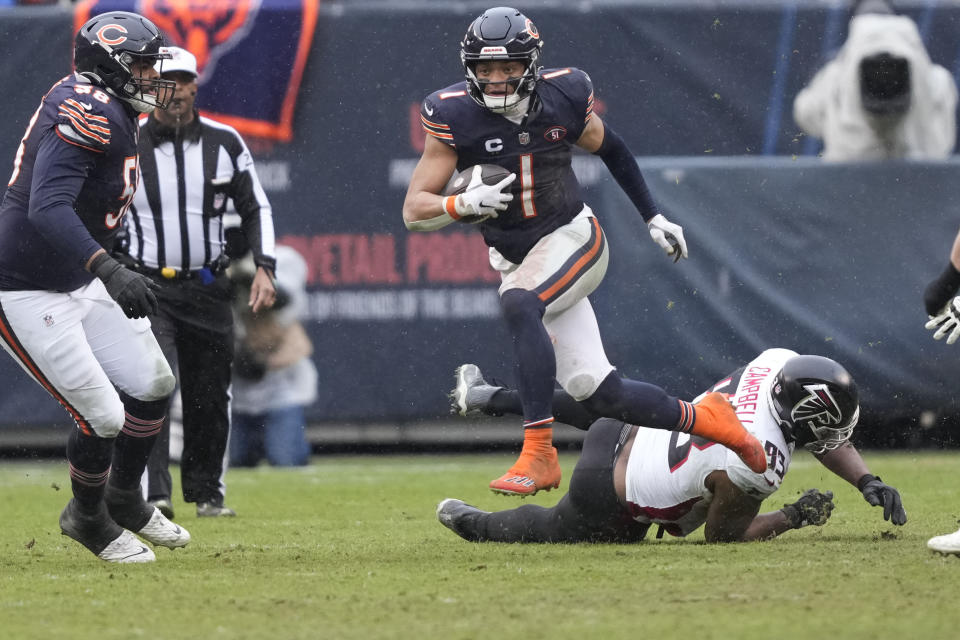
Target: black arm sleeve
pixel 939 292
pixel 623 167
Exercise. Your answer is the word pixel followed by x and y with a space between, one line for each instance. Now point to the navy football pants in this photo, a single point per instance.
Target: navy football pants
pixel 590 512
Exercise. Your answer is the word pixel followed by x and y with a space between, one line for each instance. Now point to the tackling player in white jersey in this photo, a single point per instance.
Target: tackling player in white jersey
pixel 629 477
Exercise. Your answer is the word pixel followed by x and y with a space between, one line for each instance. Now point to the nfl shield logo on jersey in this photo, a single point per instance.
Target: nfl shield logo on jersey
pixel 48 320
pixel 524 137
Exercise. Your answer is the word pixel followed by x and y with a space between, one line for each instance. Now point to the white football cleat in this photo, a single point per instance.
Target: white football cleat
pixel 160 531
pixel 471 393
pixel 126 549
pixel 129 510
pixel 949 543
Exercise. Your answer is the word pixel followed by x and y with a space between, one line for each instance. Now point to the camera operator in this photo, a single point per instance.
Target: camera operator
pixel 881 97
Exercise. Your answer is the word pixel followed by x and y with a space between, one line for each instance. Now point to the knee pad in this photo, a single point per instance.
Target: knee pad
pixel 156 389
pixel 107 422
pixel 162 387
pixel 149 379
pixel 519 304
pixel 582 386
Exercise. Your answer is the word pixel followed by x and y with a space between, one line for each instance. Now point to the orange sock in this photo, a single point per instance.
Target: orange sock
pixel 537 438
pixel 536 469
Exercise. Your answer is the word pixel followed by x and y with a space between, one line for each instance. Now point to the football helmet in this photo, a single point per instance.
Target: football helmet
pixel 501 33
pixel 105 50
pixel 816 403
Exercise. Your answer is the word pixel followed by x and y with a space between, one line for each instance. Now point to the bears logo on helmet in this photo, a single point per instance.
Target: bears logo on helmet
pixel 501 33
pixel 106 49
pixel 106 39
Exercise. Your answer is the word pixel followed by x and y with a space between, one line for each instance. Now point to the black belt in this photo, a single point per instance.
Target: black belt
pixel 169 273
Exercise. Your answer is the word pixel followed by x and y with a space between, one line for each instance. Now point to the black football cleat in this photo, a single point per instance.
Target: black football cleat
pixel 102 536
pixel 456 515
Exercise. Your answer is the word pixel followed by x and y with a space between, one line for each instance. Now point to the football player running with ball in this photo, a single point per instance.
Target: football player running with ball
pixel 629 477
pixel 71 315
pixel 546 243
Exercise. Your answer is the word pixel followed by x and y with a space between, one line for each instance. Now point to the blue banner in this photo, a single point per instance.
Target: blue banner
pixel 250 54
pixel 784 251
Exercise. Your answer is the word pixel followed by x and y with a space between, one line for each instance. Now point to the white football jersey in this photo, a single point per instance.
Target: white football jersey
pixel 667 469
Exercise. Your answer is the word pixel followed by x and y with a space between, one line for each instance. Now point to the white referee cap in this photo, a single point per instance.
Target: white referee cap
pixel 180 60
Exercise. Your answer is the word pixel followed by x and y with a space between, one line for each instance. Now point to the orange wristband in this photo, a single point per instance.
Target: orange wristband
pixel 450 206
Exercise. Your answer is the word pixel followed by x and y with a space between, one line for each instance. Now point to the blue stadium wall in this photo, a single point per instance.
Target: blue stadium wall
pixel 784 251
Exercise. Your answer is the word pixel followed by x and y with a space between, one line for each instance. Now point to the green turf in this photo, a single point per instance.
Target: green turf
pixel 350 548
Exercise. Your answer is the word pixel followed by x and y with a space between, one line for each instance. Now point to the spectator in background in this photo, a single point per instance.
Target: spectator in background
pixel 193 168
pixel 881 96
pixel 274 376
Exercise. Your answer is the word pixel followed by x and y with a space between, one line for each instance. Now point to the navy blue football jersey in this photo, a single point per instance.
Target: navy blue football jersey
pixel 546 194
pixel 74 176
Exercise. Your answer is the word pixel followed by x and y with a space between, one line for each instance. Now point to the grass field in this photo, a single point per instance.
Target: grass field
pixel 350 548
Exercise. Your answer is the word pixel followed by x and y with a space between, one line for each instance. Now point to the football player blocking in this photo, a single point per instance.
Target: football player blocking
pixel 70 314
pixel 630 477
pixel 545 242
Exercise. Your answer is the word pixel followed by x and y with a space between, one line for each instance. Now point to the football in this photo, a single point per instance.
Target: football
pixel 490 174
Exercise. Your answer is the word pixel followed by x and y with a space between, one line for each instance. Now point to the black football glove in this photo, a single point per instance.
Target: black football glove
pixel 813 507
pixel 132 291
pixel 939 292
pixel 877 493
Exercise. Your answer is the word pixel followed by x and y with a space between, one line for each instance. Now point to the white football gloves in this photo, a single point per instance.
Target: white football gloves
pixel 947 322
pixel 481 199
pixel 668 235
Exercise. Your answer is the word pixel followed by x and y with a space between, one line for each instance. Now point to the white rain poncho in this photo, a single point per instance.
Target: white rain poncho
pixel 831 108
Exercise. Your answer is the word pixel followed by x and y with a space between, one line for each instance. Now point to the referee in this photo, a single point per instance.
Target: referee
pixel 191 169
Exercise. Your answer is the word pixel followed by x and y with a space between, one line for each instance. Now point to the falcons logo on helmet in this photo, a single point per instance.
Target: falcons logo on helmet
pixel 819 406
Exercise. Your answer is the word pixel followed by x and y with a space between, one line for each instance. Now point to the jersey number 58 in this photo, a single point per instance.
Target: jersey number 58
pixel 126 196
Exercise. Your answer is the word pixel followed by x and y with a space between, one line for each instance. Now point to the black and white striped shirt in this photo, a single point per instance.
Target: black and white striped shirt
pixel 189 178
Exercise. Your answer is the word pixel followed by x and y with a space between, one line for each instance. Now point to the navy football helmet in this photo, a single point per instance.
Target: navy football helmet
pixel 501 33
pixel 107 46
pixel 816 402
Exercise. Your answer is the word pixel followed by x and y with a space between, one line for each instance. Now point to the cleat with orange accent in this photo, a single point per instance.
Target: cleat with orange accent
pixel 532 472
pixel 716 420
